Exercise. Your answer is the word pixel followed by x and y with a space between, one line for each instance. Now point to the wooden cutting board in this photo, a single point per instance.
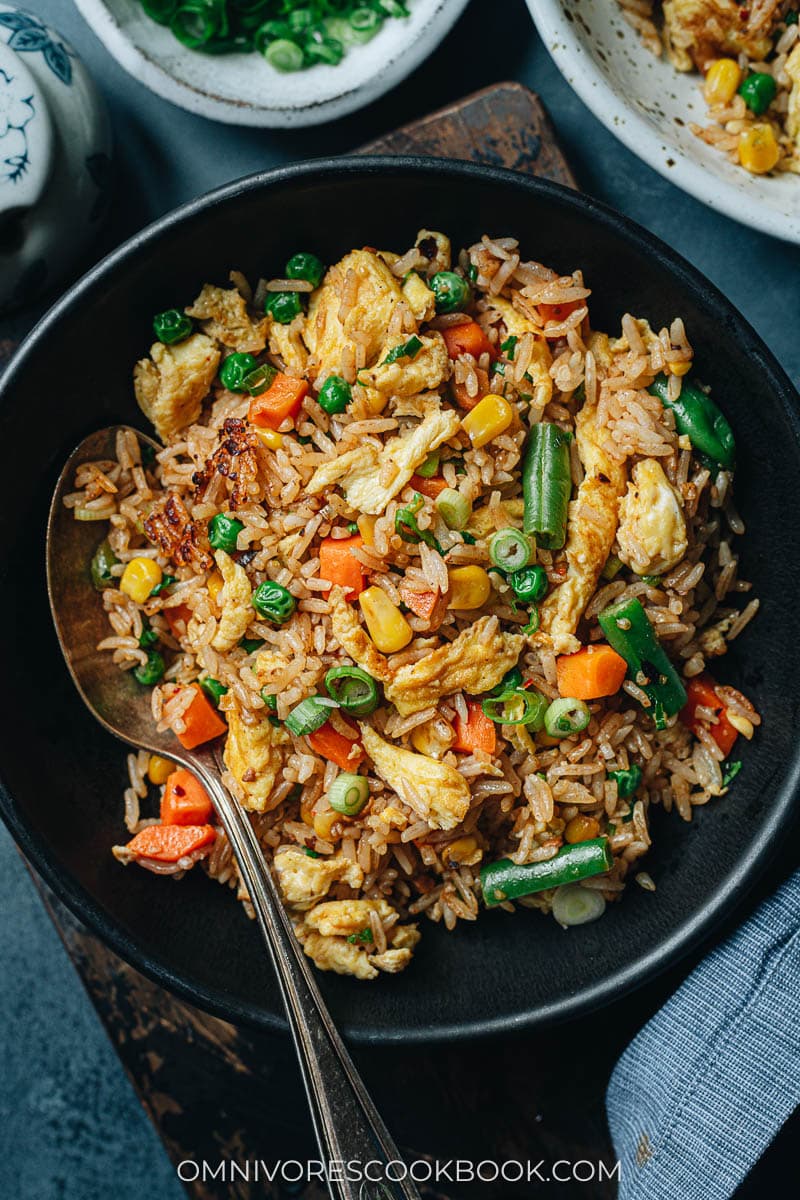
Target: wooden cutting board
pixel 213 1091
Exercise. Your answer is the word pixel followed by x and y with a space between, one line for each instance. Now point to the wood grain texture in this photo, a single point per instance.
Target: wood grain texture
pixel 502 126
pixel 216 1092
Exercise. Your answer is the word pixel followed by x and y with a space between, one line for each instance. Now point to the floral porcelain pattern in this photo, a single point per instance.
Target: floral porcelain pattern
pixel 54 157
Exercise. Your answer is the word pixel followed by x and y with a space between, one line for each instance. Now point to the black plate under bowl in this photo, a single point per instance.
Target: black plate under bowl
pixel 63 777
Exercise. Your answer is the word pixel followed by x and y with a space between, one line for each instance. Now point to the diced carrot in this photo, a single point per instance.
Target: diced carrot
pixel 422 604
pixel 477 732
pixel 326 741
pixel 168 843
pixel 429 487
pixel 338 566
pixel 558 312
pixel 461 394
pixel 202 721
pixel 593 672
pixel 177 618
pixel 185 800
pixel 282 399
pixel 467 339
pixel 701 693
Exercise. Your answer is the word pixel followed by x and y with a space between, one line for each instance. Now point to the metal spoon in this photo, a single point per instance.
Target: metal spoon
pixel 348 1127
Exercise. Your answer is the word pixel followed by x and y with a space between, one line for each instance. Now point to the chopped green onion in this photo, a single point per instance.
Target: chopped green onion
pixel 516 708
pixel 364 935
pixel 312 853
pixel 353 689
pixel 431 465
pixel 148 637
pixel 284 56
pixel 612 568
pixel 509 683
pixel 534 620
pixel 529 584
pixel 274 601
pixel 258 381
pixel 166 581
pixel 565 717
pixel 223 532
pixel 506 880
pixel 405 523
pixel 627 780
pixel 454 509
pixel 348 794
pixel 250 645
pixel 577 905
pixel 729 772
pixel 352 528
pixel 407 349
pixel 509 347
pixel 172 326
pixel 270 700
pixel 309 715
pixel 510 550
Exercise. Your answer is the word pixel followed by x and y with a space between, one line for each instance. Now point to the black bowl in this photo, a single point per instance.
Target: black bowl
pixel 63 776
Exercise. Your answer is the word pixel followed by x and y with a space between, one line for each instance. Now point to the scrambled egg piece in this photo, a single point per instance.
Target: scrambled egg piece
pixel 429 367
pixel 592 524
pixel 700 30
pixel 270 668
pixel 287 342
pixel 173 382
pixel 223 315
pixel 337 954
pixel 371 475
pixel 541 359
pixel 433 790
pixel 354 639
pixel 483 521
pixel 340 918
pixel 793 112
pixel 652 530
pixel 234 602
pixel 472 663
pixel 419 298
pixel 377 292
pixel 254 756
pixel 304 881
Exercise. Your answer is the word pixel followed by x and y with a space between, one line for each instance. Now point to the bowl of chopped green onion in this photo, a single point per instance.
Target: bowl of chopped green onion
pixel 270 63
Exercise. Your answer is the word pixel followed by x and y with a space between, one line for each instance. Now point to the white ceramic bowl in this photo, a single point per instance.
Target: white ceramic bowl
pixel 648 105
pixel 242 89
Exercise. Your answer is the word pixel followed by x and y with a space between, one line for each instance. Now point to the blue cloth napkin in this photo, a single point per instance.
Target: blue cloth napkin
pixel 704 1088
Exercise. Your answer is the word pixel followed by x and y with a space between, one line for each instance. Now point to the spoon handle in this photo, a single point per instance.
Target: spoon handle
pixel 350 1132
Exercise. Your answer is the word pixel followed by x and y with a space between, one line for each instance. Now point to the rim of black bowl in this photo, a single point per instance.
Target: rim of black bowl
pixel 732 889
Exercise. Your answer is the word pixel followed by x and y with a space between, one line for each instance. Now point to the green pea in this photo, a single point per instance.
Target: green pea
pixel 758 91
pixel 335 394
pixel 451 291
pixel 283 306
pixel 150 672
pixel 223 532
pixel 103 560
pixel 250 645
pixel 213 689
pixel 171 326
pixel 148 637
pixel 274 601
pixel 305 266
pixel 530 584
pixel 234 369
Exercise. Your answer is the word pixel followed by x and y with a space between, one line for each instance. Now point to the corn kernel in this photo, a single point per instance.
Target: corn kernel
pixel 680 368
pixel 722 79
pixel 758 149
pixel 366 527
pixel 159 769
pixel 270 437
pixel 215 585
pixel 387 626
pixel 581 829
pixel 434 738
pixel 490 417
pixel 139 578
pixel 323 824
pixel 463 852
pixel 470 587
pixel 376 401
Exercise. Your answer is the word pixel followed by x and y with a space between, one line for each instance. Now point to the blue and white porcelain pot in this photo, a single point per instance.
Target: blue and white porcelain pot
pixel 55 145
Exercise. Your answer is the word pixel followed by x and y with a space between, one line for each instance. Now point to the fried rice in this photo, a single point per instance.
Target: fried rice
pixel 749 55
pixel 449 790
